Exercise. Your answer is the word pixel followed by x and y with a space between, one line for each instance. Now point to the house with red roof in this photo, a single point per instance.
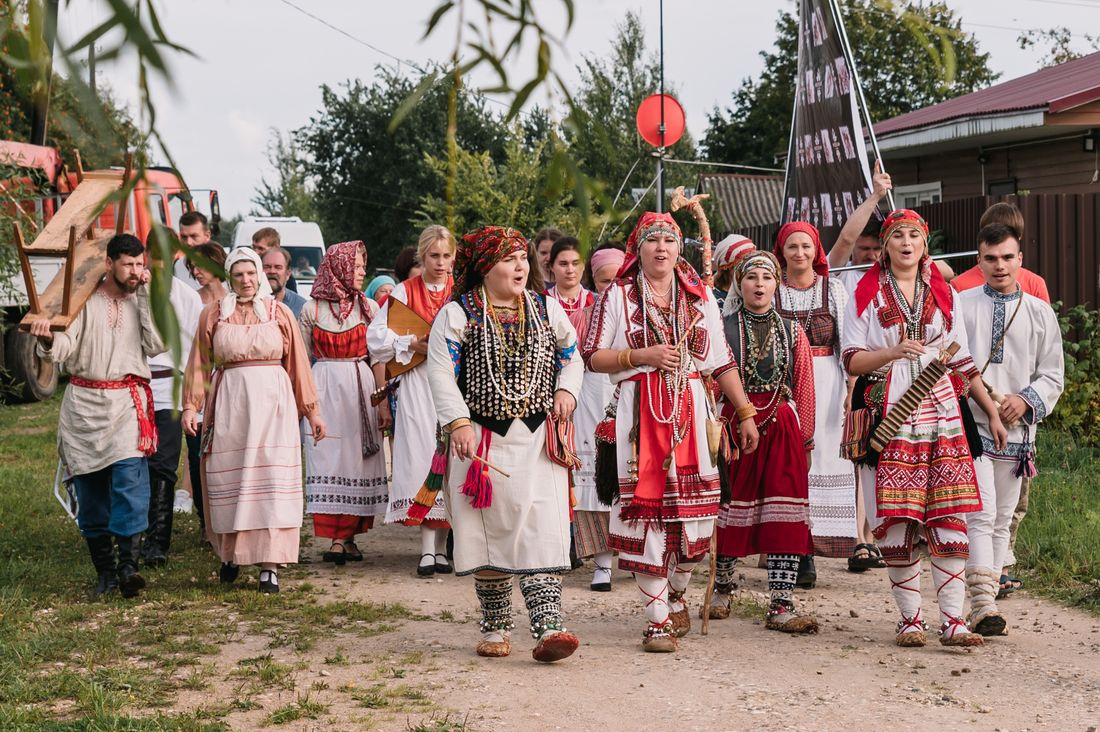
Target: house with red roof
pixel 1035 134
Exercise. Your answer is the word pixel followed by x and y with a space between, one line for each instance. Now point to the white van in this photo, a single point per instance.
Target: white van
pixel 302 239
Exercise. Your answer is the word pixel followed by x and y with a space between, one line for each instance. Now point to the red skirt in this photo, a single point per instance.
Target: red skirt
pixel 769 509
pixel 340 526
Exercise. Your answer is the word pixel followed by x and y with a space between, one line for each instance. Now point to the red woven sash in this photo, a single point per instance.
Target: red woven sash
pixel 147 426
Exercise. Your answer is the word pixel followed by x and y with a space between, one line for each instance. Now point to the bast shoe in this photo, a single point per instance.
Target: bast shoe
pixel 554 645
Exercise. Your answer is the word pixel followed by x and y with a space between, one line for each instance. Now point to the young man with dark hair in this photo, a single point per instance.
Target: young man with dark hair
pixel 1016 343
pixel 194 230
pixel 277 270
pixel 1009 215
pixel 266 239
pixel 106 428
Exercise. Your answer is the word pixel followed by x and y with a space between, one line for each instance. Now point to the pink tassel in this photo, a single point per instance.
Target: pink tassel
pixel 1026 467
pixel 478 486
pixel 439 463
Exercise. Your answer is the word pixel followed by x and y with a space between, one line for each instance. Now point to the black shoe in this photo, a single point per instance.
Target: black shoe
pixel 269 582
pixel 228 573
pixel 103 559
pixel 129 581
pixel 442 566
pixel 426 571
pixel 351 552
pixel 807 572
pixel 158 537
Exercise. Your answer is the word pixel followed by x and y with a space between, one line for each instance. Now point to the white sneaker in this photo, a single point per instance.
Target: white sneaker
pixel 183 502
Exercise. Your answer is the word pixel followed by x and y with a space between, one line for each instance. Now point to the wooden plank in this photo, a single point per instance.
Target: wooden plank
pixel 25 264
pixel 79 210
pixel 90 264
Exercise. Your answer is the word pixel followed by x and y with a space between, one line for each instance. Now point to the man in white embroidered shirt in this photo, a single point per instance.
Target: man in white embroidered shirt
pixel 1015 340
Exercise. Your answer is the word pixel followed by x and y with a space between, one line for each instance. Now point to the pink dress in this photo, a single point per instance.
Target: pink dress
pixel 251 457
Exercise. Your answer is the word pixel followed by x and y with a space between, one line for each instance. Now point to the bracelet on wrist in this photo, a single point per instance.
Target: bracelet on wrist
pixel 460 422
pixel 624 359
pixel 745 413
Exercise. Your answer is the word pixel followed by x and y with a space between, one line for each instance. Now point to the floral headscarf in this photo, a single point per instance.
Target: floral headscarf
pixel 263 287
pixel 481 250
pixel 336 279
pixel 651 223
pixel 821 262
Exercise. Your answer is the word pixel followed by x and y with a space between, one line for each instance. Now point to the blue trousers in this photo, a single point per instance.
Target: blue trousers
pixel 114 500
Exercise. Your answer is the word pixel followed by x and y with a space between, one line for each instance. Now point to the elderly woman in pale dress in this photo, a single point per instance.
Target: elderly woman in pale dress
pixel 249 370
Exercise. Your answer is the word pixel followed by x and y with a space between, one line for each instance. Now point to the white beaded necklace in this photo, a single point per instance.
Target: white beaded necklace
pixel 531 366
pixel 669 408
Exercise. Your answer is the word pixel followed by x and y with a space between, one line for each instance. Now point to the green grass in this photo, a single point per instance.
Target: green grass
pixel 70 661
pixel 1058 547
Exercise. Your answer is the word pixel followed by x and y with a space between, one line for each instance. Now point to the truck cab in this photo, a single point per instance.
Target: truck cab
pixel 34 184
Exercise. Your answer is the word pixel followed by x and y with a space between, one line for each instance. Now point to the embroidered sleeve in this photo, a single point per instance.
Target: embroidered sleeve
pixel 569 364
pixel 804 398
pixel 838 304
pixel 957 334
pixel 854 332
pixel 1048 379
pixel 444 362
pixel 604 322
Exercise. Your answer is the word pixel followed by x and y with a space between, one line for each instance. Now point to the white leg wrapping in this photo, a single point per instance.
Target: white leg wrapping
pixel 947 574
pixel 655 597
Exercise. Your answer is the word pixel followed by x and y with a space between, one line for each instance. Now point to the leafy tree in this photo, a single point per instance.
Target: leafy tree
pixel 369 181
pixel 908 57
pixel 1059 43
pixel 601 129
pixel 292 192
pixel 509 193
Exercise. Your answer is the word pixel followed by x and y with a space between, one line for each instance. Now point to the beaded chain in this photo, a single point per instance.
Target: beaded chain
pixel 753 352
pixel 803 305
pixel 674 383
pixel 516 398
pixel 912 315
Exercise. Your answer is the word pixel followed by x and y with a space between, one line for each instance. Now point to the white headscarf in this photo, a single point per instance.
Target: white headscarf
pixel 263 287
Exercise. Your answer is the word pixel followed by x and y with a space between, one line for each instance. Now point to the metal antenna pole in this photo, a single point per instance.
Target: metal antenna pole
pixel 661 128
pixel 859 88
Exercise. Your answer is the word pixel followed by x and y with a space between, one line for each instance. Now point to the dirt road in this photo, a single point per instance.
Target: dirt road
pixel 1044 675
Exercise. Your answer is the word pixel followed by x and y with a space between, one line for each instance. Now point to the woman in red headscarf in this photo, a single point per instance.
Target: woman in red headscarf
pixel 656 330
pixel 816 302
pixel 923 482
pixel 346 485
pixel 505 375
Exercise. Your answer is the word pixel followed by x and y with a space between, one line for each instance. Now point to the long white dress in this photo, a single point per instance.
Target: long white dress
pixel 832 478
pixel 340 479
pixel 415 421
pixel 525 530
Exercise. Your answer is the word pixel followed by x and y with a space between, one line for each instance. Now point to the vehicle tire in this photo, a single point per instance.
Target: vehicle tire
pixel 36 378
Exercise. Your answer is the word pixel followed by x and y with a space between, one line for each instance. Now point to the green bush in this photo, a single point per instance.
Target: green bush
pixel 1078 411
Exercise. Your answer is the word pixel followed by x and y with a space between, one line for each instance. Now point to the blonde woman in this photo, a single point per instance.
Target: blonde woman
pixel 415 420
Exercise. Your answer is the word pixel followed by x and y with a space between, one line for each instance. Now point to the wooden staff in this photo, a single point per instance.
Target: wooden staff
pixel 679 200
pixel 489 465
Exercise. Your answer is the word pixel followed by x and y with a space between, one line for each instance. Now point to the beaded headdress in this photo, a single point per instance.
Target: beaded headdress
pixel 651 223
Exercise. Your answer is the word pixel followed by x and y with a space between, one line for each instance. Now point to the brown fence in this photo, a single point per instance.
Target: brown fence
pixel 1061 241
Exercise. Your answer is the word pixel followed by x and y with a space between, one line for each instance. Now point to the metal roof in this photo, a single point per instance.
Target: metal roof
pixel 1054 89
pixel 744 200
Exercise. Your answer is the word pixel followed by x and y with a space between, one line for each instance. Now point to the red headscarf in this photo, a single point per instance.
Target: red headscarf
pixel 821 262
pixel 870 283
pixel 651 223
pixel 336 279
pixel 481 250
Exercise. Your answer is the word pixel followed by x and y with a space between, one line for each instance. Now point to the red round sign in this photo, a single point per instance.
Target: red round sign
pixel 649 119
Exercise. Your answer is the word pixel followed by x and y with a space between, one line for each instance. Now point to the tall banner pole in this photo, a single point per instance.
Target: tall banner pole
pixel 866 112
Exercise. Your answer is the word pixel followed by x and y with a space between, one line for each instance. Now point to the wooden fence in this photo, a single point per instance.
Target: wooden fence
pixel 1061 240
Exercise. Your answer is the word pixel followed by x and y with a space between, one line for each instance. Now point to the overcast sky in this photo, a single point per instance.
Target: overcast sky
pixel 260 63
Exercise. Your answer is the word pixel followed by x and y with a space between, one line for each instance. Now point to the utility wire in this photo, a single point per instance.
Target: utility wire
pixel 706 163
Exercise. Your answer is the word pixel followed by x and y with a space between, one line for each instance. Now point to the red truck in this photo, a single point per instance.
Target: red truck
pixel 34 185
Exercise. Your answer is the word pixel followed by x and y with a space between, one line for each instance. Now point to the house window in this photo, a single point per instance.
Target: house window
pixel 1002 187
pixel 918 195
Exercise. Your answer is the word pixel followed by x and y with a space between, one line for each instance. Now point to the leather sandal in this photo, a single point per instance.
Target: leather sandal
pixel 339 558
